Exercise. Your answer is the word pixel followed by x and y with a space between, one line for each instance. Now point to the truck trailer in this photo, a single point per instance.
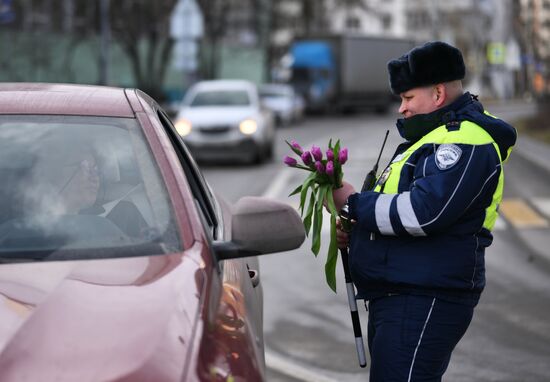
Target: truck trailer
pixel 345 71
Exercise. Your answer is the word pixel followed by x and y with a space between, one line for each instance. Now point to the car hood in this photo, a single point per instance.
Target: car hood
pixel 217 115
pixel 96 320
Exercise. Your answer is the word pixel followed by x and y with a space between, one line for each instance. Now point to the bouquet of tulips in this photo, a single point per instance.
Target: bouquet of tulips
pixel 316 192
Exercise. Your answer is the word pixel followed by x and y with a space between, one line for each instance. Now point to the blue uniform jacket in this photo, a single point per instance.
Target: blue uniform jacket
pixel 445 256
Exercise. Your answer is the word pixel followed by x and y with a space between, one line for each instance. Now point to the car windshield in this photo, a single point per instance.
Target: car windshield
pixel 80 187
pixel 221 98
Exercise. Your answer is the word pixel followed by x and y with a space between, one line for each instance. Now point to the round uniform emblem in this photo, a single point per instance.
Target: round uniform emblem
pixel 446 156
pixel 385 175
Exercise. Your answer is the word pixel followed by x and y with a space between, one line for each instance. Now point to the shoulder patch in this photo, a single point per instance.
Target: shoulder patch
pixel 446 156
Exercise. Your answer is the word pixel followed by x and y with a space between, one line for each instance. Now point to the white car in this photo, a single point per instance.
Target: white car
pixel 287 105
pixel 224 119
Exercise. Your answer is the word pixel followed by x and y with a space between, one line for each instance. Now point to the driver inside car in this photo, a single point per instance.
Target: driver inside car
pixel 77 187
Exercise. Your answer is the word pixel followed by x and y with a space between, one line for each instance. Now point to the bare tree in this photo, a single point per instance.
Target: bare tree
pixel 214 13
pixel 141 27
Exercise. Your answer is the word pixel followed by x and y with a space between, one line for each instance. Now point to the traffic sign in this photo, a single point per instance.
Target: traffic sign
pixel 496 53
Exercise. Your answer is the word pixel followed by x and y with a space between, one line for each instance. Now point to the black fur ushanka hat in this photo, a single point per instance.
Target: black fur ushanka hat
pixel 429 64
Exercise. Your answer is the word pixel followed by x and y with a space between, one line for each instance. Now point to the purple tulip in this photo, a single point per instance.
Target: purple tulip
pixel 306 158
pixel 290 161
pixel 343 156
pixel 330 168
pixel 330 154
pixel 316 152
pixel 320 168
pixel 297 146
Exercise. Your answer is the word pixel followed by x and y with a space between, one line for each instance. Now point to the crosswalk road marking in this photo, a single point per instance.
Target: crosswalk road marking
pixel 521 215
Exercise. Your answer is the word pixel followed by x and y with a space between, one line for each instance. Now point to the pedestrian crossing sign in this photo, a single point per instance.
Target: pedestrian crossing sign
pixel 496 53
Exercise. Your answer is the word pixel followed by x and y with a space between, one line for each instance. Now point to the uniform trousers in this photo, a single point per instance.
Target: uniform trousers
pixel 411 337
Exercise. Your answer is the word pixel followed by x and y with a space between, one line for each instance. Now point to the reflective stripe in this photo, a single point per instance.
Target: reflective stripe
pixel 420 340
pixel 424 168
pixel 407 215
pixel 382 214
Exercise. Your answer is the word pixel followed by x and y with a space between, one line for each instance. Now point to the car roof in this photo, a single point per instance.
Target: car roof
pixel 65 99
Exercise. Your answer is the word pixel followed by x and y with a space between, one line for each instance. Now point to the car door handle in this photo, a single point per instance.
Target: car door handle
pixel 254 277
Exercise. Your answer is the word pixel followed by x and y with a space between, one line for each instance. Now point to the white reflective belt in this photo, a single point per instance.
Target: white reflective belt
pixel 382 214
pixel 407 215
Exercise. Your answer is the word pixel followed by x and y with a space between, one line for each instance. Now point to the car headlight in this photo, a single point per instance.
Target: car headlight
pixel 183 127
pixel 248 126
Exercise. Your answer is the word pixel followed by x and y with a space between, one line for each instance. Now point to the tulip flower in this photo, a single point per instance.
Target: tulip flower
pixel 343 156
pixel 290 161
pixel 320 167
pixel 330 154
pixel 306 158
pixel 317 153
pixel 297 146
pixel 330 168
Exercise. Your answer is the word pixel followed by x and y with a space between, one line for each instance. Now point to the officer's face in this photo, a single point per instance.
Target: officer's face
pixel 422 100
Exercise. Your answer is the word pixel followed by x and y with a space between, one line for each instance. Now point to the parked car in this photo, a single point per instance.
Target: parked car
pixel 287 105
pixel 224 119
pixel 117 260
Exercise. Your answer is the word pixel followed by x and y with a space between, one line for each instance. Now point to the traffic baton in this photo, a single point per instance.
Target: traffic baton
pixel 368 184
pixel 353 310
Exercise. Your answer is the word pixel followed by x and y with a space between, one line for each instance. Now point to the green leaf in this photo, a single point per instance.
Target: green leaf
pixel 303 192
pixel 332 256
pixel 309 213
pixel 303 167
pixel 338 173
pixel 330 203
pixel 335 151
pixel 297 190
pixel 318 220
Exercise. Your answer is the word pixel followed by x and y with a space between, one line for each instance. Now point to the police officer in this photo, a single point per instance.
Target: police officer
pixel 417 246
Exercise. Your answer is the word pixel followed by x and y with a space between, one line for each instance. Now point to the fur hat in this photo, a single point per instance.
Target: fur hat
pixel 429 64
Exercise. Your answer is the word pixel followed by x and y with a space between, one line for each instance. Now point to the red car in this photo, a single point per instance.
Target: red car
pixel 118 263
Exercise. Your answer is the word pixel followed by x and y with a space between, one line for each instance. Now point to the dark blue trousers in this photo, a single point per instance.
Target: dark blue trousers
pixel 411 338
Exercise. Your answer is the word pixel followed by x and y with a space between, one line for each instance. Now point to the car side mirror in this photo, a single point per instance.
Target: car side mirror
pixel 261 226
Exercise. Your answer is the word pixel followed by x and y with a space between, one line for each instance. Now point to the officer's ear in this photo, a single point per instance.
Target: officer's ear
pixel 439 95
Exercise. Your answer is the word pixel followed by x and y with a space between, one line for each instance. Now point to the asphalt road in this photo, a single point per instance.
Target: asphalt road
pixel 308 332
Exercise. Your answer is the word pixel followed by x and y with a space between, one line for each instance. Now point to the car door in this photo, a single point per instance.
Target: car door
pixel 241 276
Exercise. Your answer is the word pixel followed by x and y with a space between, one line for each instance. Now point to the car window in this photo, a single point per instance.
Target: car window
pixel 220 98
pixel 80 187
pixel 202 192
